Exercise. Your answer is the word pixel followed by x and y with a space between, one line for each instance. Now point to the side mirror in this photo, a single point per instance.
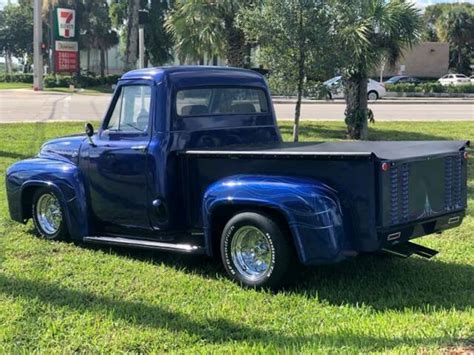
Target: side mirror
pixel 90 133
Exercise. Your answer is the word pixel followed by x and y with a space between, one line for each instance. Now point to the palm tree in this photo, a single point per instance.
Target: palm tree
pixel 370 30
pixel 131 49
pixel 208 28
pixel 456 26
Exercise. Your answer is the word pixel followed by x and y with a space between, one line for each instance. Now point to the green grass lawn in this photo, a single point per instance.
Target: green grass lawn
pixel 61 297
pixel 93 90
pixel 8 86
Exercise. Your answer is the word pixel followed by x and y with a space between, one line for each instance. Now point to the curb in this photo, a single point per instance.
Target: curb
pixel 386 101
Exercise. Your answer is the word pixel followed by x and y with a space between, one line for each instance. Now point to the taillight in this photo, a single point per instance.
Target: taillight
pixel 385 166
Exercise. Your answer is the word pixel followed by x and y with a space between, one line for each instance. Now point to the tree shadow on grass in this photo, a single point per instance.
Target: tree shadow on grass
pixel 211 330
pixel 381 282
pixel 14 155
pixel 391 283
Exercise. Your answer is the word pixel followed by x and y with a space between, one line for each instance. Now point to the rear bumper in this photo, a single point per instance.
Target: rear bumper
pixel 405 232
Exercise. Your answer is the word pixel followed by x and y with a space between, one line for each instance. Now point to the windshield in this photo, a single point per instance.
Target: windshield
pixel 332 81
pixel 394 79
pixel 131 111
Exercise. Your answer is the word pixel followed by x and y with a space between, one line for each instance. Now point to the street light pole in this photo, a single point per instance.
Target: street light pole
pixel 37 39
pixel 141 47
pixel 142 20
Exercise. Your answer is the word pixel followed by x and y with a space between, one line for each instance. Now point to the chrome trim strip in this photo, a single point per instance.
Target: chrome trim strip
pixel 269 152
pixel 147 244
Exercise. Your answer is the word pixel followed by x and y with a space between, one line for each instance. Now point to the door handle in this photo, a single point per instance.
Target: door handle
pixel 140 148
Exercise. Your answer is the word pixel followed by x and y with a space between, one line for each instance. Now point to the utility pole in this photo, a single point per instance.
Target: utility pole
pixel 141 47
pixel 37 39
pixel 142 20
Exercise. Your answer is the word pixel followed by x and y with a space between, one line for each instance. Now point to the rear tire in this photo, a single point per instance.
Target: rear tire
pixel 48 215
pixel 373 96
pixel 255 251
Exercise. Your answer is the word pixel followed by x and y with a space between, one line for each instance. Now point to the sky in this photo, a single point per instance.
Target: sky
pixel 423 3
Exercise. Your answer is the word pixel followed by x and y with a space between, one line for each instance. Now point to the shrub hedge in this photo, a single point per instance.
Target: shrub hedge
pixel 62 80
pixel 431 88
pixel 312 89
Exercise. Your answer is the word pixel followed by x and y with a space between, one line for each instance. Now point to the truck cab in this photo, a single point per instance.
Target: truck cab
pixel 190 159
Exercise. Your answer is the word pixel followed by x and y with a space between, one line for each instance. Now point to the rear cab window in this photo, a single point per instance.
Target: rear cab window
pixel 214 101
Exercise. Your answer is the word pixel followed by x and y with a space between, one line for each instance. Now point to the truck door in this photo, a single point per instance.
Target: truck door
pixel 118 163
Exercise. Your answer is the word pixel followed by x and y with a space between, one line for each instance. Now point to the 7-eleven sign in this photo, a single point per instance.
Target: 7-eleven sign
pixel 66 23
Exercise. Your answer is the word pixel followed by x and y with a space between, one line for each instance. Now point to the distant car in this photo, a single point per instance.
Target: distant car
pixel 400 79
pixel 375 90
pixel 472 79
pixel 454 79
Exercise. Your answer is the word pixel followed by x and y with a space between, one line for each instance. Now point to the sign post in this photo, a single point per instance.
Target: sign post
pixel 66 49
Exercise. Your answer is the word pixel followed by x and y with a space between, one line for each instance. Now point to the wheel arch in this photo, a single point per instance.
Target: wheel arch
pixel 309 209
pixel 65 179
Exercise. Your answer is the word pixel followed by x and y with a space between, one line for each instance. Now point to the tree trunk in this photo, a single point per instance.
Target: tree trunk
pixel 131 52
pixel 102 62
pixel 236 47
pixel 356 106
pixel 107 61
pixel 301 76
pixel 8 63
pixel 88 60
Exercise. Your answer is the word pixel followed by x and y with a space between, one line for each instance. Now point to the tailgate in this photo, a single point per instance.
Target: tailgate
pixel 423 187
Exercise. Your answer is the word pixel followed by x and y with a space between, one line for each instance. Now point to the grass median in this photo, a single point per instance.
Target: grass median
pixel 93 90
pixel 61 297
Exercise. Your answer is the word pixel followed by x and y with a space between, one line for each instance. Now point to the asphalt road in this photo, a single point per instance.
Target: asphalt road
pixel 28 106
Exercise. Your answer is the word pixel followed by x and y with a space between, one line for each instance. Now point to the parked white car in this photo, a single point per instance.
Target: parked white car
pixel 375 90
pixel 454 79
pixel 472 79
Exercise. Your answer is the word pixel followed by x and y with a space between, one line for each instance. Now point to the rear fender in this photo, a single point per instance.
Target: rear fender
pixel 311 209
pixel 65 179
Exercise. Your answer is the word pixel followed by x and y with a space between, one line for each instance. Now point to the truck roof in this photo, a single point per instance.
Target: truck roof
pixel 186 72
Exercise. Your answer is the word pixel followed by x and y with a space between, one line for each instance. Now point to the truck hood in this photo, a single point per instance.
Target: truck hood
pixel 64 148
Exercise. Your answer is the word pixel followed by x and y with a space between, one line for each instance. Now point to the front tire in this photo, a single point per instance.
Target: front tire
pixel 255 251
pixel 48 215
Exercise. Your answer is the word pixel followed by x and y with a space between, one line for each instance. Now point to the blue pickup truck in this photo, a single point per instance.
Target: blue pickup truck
pixel 191 160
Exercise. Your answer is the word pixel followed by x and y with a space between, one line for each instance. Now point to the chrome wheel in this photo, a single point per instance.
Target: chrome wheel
pixel 251 252
pixel 48 213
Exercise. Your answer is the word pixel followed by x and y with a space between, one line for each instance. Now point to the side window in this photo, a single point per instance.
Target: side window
pixel 132 110
pixel 220 101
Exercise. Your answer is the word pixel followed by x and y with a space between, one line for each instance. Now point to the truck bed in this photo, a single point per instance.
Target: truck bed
pixel 425 179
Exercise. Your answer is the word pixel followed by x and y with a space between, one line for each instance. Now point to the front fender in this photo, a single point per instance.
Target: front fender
pixel 311 208
pixel 64 178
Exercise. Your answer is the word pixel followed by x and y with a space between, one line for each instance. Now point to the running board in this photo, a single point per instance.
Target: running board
pixel 407 249
pixel 145 244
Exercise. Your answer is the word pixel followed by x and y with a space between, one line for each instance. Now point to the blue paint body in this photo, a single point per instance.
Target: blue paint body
pixel 113 189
